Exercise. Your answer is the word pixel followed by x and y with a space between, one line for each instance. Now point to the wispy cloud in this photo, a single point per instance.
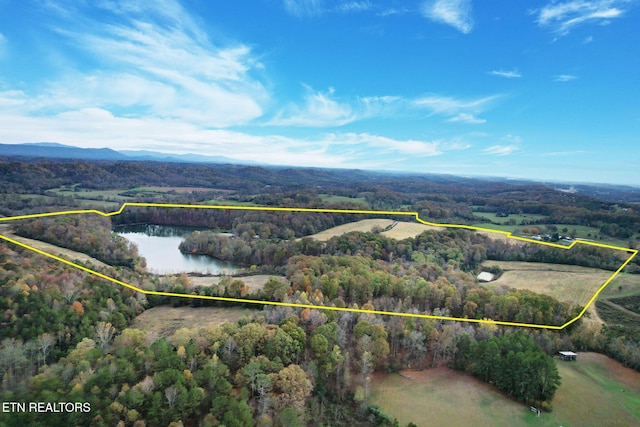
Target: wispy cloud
pixel 466 118
pixel 393 11
pixel 325 109
pixel 456 13
pixel 303 8
pixel 96 128
pixel 387 145
pixel 564 78
pixel 146 67
pixel 500 150
pixel 354 6
pixel 587 40
pixel 311 8
pixel 561 17
pixel 507 74
pixel 458 110
pixel 319 110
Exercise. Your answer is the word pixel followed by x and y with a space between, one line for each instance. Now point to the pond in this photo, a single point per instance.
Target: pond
pixel 158 244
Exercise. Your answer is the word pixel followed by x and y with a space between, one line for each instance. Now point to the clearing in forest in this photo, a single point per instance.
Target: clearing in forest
pixel 567 283
pixel 595 390
pixel 394 229
pixel 165 320
pixel 630 252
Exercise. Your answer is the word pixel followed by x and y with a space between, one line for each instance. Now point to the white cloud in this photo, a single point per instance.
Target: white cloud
pixel 390 145
pixel 466 118
pixel 96 128
pixel 458 110
pixel 508 74
pixel 172 68
pixel 564 78
pixel 302 8
pixel 354 6
pixel 456 13
pixel 587 40
pixel 319 109
pixel 500 150
pixel 561 17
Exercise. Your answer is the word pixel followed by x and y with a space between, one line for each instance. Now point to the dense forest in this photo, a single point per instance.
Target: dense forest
pixel 286 366
pixel 436 197
pixel 83 233
pixel 68 336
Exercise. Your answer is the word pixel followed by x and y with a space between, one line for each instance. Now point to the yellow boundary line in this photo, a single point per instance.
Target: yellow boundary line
pixel 416 216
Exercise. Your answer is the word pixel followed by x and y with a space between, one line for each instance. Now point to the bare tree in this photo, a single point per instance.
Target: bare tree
pixel 45 343
pixel 171 393
pixel 104 333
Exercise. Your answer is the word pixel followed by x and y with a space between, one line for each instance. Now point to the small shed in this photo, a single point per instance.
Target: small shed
pixel 485 276
pixel 568 355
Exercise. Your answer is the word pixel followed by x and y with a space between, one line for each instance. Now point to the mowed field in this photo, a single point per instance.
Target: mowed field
pixel 165 320
pixel 595 391
pixel 401 230
pixel 568 283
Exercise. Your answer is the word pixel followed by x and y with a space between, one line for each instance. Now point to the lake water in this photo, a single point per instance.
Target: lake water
pixel 158 244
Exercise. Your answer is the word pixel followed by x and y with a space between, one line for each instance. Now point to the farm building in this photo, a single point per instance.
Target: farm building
pixel 568 355
pixel 485 276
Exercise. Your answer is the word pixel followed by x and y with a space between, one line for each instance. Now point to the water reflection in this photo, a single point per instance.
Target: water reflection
pixel 159 245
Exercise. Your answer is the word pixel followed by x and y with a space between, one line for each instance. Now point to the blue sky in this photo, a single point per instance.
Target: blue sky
pixel 546 90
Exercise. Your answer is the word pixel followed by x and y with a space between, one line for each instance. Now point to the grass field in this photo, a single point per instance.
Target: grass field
pixel 583 232
pixel 517 218
pixel 329 198
pixel 568 283
pixel 595 391
pixel 165 320
pixel 401 230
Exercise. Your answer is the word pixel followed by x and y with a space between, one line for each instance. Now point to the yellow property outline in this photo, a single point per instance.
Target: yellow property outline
pixel 633 252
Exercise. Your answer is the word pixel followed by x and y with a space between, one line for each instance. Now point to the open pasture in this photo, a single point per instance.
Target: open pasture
pixel 165 320
pixel 401 230
pixel 568 283
pixel 595 391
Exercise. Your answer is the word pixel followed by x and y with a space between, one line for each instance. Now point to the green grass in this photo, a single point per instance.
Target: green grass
pixel 518 218
pixel 583 232
pixel 623 285
pixel 228 203
pixel 595 391
pixel 329 198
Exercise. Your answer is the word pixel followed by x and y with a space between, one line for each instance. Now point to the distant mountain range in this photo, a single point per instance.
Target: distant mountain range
pixel 61 151
pixel 42 150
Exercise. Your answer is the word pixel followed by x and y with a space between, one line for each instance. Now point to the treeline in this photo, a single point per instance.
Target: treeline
pixel 457 248
pixel 287 366
pixel 83 233
pixel 442 198
pixel 244 224
pixel 515 364
pixel 49 307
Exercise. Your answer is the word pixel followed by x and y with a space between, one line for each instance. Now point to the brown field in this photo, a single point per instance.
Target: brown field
pixel 401 230
pixel 165 320
pixel 568 283
pixel 256 283
pixel 595 391
pixel 52 249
